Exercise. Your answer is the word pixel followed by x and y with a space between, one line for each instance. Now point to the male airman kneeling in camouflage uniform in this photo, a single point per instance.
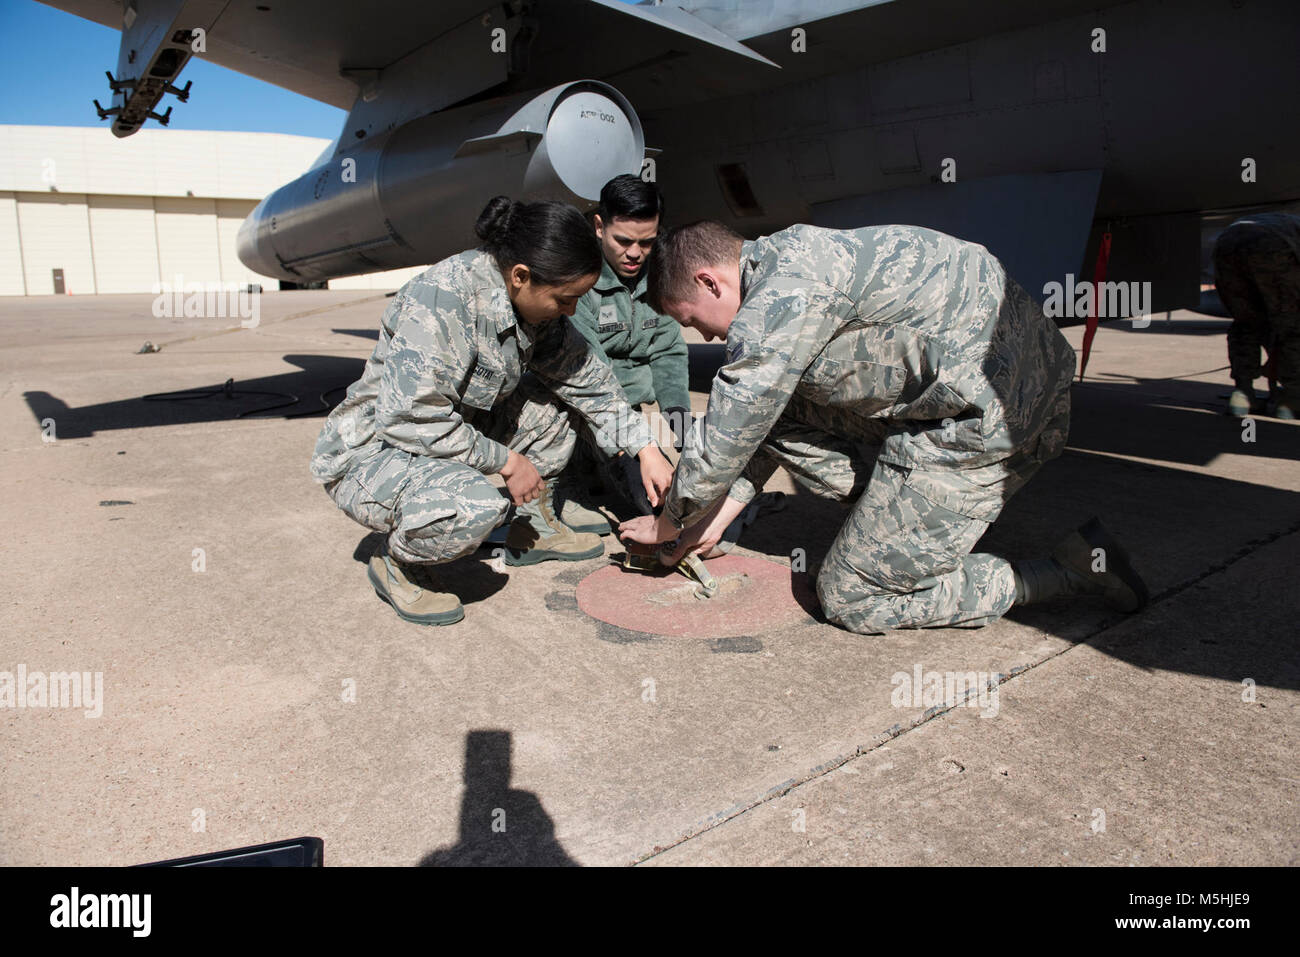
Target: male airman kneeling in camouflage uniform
pixel 892 368
pixel 1257 274
pixel 474 367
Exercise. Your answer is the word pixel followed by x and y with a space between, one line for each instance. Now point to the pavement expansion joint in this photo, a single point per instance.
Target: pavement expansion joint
pixel 938 711
pixel 1244 551
pixel 271 322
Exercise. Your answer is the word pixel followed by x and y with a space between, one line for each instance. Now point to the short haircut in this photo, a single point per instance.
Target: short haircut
pixel 629 197
pixel 678 254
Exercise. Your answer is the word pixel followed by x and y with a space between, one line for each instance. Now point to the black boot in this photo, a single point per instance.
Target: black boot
pixel 624 475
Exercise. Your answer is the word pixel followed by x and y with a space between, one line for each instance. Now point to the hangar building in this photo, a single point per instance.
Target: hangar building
pixel 82 211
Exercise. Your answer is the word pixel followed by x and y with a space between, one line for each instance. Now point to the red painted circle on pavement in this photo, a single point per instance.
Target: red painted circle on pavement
pixel 754 596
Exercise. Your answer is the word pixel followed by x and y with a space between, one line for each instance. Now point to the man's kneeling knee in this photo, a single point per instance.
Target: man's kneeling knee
pixel 858 610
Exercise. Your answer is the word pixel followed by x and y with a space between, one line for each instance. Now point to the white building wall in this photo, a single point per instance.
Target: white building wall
pixel 122 215
pixel 152 162
pixel 231 213
pixel 55 233
pixel 187 240
pixel 11 250
pixel 125 243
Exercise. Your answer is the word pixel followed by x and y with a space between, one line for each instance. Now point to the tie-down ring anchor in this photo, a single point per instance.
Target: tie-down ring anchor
pixel 706 586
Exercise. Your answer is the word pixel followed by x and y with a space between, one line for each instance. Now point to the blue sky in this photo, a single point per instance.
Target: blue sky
pixel 52 65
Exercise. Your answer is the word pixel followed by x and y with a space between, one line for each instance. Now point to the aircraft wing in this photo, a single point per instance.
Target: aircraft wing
pixel 767 112
pixel 856 32
pixel 331 50
pixel 885 24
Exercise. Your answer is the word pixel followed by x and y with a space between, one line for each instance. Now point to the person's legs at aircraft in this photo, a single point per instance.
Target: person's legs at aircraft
pixel 1276 277
pixel 621 473
pixel 1235 282
pixel 1286 350
pixel 592 475
pixel 533 422
pixel 809 442
pixel 446 510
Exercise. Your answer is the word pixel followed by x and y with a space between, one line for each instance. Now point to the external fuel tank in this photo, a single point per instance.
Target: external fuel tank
pixel 412 196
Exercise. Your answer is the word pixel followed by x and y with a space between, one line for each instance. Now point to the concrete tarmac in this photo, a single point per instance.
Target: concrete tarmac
pixel 254 688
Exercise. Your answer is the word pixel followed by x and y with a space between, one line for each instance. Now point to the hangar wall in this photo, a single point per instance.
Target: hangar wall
pixel 126 215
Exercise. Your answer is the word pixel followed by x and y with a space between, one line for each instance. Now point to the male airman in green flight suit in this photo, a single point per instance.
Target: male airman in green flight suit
pixel 643 347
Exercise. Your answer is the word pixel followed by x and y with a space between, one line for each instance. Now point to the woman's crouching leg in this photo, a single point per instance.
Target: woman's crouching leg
pixel 444 512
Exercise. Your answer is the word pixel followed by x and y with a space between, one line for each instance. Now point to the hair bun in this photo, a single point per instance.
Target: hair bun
pixel 494 222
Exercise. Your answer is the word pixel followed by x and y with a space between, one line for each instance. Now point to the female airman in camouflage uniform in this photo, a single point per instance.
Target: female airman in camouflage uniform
pixel 475 366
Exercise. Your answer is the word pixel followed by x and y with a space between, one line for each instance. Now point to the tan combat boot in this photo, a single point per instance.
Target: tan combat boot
pixel 408 587
pixel 1101 566
pixel 575 513
pixel 1087 562
pixel 537 535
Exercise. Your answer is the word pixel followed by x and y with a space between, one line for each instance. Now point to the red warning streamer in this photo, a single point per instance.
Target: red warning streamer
pixel 1098 277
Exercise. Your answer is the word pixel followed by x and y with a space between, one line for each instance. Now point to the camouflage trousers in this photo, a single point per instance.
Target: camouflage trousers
pixel 902 560
pixel 437 510
pixel 1258 278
